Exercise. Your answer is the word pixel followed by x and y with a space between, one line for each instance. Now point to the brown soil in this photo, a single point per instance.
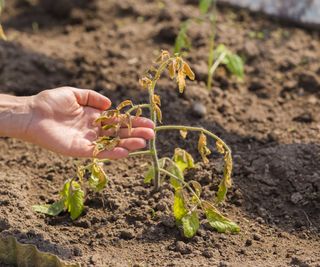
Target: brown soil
pixel 271 121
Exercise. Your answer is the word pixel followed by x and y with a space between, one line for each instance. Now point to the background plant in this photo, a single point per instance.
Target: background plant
pixel 216 56
pixel 188 205
pixel 2 35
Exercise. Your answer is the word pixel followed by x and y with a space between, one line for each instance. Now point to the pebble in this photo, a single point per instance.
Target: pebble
pixel 248 242
pixel 199 110
pixel 296 198
pixel 183 248
pixel 256 237
pixel 127 234
pixel 208 253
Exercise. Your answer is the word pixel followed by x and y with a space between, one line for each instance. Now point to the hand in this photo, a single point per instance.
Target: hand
pixel 62 121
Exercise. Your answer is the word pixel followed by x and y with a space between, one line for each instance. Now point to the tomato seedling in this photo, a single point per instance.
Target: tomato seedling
pixel 187 203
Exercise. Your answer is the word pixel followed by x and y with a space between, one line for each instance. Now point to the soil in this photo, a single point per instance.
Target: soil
pixel 271 120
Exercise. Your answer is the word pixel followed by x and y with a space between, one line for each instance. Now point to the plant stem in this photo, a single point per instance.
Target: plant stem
pixel 216 65
pixel 212 19
pixel 195 129
pixel 183 182
pixel 138 106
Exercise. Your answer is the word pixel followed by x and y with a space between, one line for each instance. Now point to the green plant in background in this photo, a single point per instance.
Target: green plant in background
pixel 220 55
pixel 2 35
pixel 188 204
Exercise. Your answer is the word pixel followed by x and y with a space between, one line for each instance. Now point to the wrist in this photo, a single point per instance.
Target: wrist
pixel 15 115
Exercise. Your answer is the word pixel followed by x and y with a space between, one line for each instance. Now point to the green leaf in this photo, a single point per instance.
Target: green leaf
pixel 179 206
pixel 235 65
pixel 204 6
pixel 183 159
pixel 190 224
pixel 74 198
pixel 1 5
pixel 149 175
pixel 182 40
pixel 175 170
pixel 98 178
pixel 221 223
pixel 53 209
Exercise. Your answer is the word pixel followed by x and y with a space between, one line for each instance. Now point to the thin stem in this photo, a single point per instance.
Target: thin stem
pixel 196 129
pixel 212 19
pixel 183 182
pixel 216 64
pixel 135 107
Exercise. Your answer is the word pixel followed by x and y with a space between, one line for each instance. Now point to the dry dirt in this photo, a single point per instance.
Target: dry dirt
pixel 271 120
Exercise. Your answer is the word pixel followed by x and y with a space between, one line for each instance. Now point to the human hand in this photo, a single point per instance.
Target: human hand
pixel 62 121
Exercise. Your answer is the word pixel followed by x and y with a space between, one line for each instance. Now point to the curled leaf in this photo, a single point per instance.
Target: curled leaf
pixel 108 115
pixel 139 112
pixel 2 34
pixel 159 113
pixel 226 181
pixel 187 70
pixel 52 210
pixel 124 104
pixel 220 147
pixel 197 187
pixel 145 82
pixel 172 69
pixel 202 148
pixel 156 103
pixel 183 133
pixel 183 159
pixel 181 80
pixel 98 178
pixel 105 143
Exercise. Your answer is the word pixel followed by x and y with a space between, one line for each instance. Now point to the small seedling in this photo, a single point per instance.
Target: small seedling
pixel 216 56
pixel 188 204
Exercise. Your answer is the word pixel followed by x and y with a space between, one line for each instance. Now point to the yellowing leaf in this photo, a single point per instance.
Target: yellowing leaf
pixel 73 198
pixel 179 206
pixel 187 70
pixel 98 178
pixel 176 171
pixel 52 210
pixel 145 82
pixel 139 112
pixel 220 223
pixel 183 133
pixel 202 148
pixel 172 70
pixel 181 80
pixel 108 115
pixel 105 143
pixel 159 113
pixel 183 159
pixel 220 147
pixel 2 34
pixel 124 104
pixel 226 181
pixel 190 224
pixel 197 187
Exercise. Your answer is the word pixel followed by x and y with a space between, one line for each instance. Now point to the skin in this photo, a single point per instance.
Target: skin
pixel 61 120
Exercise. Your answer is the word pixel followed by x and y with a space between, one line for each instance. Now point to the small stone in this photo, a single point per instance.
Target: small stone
pixel 77 251
pixel 256 237
pixel 127 234
pixel 296 198
pixel 305 117
pixel 208 253
pixel 183 248
pixel 248 242
pixel 199 110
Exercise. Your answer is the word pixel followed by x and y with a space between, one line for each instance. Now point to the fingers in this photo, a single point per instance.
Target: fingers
pixel 91 98
pixel 136 122
pixel 116 153
pixel 145 133
pixel 132 143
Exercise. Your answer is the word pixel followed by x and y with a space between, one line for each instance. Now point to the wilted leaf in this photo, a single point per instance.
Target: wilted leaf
pixel 197 187
pixel 172 70
pixel 226 180
pixel 145 82
pixel 220 147
pixel 220 223
pixel 179 206
pixel 52 210
pixel 204 6
pixel 108 115
pixel 2 34
pixel 176 171
pixel 149 175
pixel 183 133
pixel 202 148
pixel 73 198
pixel 181 80
pixel 139 112
pixel 98 178
pixel 80 172
pixel 124 104
pixel 105 143
pixel 159 113
pixel 183 159
pixel 156 103
pixel 187 70
pixel 190 224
